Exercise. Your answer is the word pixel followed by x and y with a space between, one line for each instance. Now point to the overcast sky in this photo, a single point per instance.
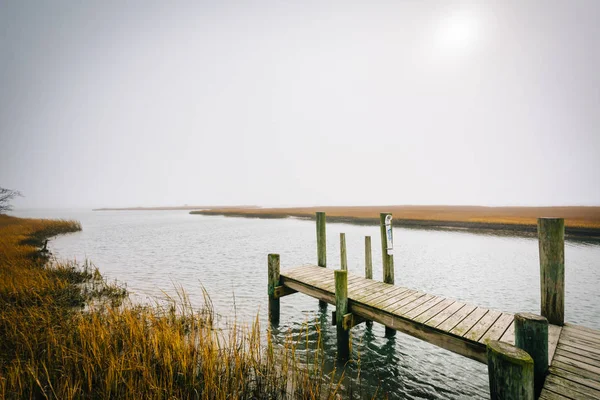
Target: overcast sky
pixel 314 103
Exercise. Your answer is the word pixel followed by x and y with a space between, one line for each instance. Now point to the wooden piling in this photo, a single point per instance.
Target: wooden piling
pixel 388 262
pixel 531 335
pixel 368 258
pixel 343 256
pixel 551 236
pixel 510 372
pixel 341 309
pixel 273 282
pixel 321 246
pixel 388 259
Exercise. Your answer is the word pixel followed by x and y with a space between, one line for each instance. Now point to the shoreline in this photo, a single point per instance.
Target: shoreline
pixel 584 223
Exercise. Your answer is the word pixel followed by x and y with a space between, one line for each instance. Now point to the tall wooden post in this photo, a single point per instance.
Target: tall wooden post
pixel 343 256
pixel 510 372
pixel 531 335
pixel 551 236
pixel 341 309
pixel 273 282
pixel 368 258
pixel 388 261
pixel 321 240
pixel 321 246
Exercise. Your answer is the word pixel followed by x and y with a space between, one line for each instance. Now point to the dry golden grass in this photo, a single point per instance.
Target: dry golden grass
pixel 580 217
pixel 50 347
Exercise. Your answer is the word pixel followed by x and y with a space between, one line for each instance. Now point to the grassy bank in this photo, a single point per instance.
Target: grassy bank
pixel 64 334
pixel 579 221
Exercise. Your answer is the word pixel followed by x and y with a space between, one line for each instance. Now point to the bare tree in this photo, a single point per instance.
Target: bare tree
pixel 6 196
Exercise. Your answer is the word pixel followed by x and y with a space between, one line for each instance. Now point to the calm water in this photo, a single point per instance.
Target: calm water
pixel 155 251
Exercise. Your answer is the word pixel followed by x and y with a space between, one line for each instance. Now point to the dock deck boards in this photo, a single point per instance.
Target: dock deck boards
pixel 574 372
pixel 456 326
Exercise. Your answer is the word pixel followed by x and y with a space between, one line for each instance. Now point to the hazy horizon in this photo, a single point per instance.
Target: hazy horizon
pixel 105 104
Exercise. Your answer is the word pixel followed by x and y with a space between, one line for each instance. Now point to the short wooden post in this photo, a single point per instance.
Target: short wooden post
pixel 551 236
pixel 388 261
pixel 321 240
pixel 273 282
pixel 531 335
pixel 368 258
pixel 510 372
pixel 343 257
pixel 341 309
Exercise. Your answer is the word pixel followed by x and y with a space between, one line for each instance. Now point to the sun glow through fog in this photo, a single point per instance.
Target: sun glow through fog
pixel 459 31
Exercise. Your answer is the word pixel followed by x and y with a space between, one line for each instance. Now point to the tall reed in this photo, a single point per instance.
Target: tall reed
pixel 65 334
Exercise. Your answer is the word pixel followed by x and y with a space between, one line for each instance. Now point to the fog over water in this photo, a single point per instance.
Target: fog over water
pixel 322 102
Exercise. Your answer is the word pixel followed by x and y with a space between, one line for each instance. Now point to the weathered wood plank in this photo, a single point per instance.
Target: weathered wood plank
pixel 509 335
pixel 574 376
pixel 577 357
pixel 579 344
pixel 563 345
pixel 308 272
pixel 467 323
pixel 554 332
pixel 498 329
pixel 435 310
pixel 385 304
pixel 396 291
pixel 481 327
pixel 574 333
pixel 406 300
pixel 570 389
pixel 592 331
pixel 548 395
pixel 412 305
pixel 374 291
pixel 579 364
pixel 360 288
pixel 412 314
pixel 575 370
pixel 441 318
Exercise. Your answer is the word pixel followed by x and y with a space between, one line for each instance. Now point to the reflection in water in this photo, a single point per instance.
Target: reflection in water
pixel 155 251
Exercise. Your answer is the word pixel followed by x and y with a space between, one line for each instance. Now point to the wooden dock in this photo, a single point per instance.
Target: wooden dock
pixel 453 325
pixel 528 356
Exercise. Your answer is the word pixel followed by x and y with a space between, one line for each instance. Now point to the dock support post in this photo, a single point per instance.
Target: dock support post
pixel 368 258
pixel 341 309
pixel 273 281
pixel 551 236
pixel 531 335
pixel 368 266
pixel 510 372
pixel 321 246
pixel 343 256
pixel 321 240
pixel 388 261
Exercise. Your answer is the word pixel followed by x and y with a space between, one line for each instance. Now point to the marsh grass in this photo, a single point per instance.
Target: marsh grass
pixel 67 334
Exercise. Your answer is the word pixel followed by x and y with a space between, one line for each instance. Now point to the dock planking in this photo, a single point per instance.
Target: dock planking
pixel 574 372
pixel 455 326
